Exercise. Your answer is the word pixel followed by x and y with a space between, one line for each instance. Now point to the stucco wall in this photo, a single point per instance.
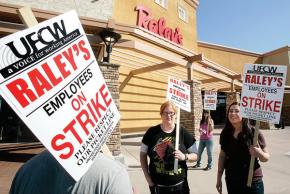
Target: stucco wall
pixel 280 57
pixel 124 12
pixel 233 59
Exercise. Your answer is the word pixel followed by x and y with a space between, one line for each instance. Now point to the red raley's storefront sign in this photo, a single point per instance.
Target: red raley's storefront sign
pixel 157 26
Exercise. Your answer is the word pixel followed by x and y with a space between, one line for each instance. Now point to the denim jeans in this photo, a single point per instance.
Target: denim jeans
pixel 240 187
pixel 208 144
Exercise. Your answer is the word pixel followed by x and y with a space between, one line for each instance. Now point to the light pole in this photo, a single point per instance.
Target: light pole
pixel 110 38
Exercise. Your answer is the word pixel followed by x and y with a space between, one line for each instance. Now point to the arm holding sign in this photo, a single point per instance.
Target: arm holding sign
pixel 258 152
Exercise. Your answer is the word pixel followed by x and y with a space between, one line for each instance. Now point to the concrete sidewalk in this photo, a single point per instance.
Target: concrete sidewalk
pixel 276 170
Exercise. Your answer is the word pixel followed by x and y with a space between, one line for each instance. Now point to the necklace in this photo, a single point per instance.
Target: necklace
pixel 167 130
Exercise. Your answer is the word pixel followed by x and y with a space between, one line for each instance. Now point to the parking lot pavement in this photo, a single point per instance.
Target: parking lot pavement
pixel 276 170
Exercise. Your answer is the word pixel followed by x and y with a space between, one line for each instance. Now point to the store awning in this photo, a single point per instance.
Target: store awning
pixel 211 75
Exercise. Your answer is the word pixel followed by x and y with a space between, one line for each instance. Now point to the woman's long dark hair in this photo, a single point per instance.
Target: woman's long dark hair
pixel 246 133
pixel 203 119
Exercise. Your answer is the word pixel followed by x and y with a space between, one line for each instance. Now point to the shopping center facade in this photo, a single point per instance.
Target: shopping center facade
pixel 159 40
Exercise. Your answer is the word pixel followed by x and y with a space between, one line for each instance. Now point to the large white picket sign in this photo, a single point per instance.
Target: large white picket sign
pixel 179 93
pixel 50 77
pixel 262 93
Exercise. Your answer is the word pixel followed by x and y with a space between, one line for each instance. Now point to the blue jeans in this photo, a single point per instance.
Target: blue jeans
pixel 208 144
pixel 240 187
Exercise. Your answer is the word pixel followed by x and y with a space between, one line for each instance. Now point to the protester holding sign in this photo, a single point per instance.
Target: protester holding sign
pixel 43 174
pixel 236 141
pixel 206 139
pixel 158 143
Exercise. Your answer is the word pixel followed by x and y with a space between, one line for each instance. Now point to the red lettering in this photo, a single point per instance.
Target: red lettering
pixel 86 52
pixel 161 26
pixel 86 120
pixel 39 82
pixel 70 57
pixel 270 80
pixel 51 75
pixel 158 27
pixel 153 26
pixel 97 106
pixel 19 89
pixel 144 15
pixel 104 95
pixel 279 81
pixel 61 66
pixel 70 127
pixel 248 78
pixel 261 104
pixel 179 36
pixel 167 33
pixel 253 80
pixel 62 146
pixel 258 103
pixel 244 101
pixel 277 106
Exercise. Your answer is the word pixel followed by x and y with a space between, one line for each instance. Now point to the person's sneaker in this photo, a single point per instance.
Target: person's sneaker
pixel 207 168
pixel 196 166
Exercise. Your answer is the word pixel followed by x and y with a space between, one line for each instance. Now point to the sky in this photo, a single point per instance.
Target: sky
pixel 253 25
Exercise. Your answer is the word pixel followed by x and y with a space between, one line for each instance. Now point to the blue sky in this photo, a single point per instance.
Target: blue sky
pixel 252 25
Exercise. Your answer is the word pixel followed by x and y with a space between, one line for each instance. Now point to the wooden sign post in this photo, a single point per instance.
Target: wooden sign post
pixel 252 162
pixel 177 139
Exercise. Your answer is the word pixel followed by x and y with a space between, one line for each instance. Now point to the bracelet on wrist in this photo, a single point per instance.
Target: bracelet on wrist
pixel 186 157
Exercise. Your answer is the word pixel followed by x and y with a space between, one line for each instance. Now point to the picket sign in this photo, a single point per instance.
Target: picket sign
pixel 178 92
pixel 210 100
pixel 29 20
pixel 58 90
pixel 262 98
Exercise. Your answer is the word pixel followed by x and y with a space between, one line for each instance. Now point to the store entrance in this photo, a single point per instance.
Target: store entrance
pixel 219 115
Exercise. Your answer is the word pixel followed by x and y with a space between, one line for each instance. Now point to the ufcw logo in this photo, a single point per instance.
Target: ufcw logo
pixel 266 69
pixel 35 41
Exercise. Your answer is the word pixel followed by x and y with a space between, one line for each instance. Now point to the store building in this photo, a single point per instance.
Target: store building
pixel 159 39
